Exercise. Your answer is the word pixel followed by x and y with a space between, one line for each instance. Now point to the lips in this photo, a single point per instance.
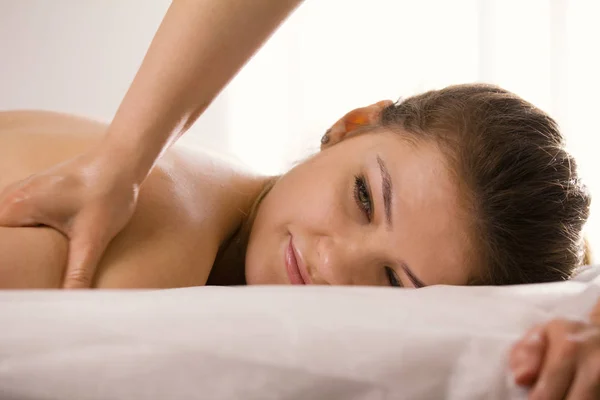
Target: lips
pixel 294 266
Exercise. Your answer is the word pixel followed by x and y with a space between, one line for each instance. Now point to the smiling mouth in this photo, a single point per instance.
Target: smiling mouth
pixel 291 265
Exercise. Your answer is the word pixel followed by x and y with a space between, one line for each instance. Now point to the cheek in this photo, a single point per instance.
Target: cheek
pixel 297 204
pixel 309 197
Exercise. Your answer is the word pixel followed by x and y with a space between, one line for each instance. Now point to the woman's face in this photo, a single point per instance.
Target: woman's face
pixel 373 209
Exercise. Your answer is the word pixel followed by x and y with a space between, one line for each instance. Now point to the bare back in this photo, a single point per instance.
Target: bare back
pixel 187 207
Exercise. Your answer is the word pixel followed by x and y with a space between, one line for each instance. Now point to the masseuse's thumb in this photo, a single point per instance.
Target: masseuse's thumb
pixel 88 240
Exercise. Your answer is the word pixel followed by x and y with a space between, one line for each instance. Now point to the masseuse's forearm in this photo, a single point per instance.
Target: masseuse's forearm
pixel 199 47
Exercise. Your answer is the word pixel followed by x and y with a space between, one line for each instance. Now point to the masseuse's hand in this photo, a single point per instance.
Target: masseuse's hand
pixel 89 199
pixel 560 360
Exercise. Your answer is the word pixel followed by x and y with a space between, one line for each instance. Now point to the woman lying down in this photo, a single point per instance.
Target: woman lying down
pixel 469 185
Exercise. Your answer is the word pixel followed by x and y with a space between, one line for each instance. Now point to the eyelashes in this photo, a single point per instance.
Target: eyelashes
pixel 362 196
pixel 393 277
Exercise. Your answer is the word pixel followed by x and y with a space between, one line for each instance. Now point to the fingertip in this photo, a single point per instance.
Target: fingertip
pixel 523 367
pixel 524 376
pixel 516 355
pixel 539 391
pixel 526 357
pixel 78 277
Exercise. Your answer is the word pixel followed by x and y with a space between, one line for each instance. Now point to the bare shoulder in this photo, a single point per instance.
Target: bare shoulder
pixel 189 205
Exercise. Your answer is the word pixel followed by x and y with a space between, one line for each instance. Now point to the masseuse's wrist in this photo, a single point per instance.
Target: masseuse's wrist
pixel 136 147
pixel 123 161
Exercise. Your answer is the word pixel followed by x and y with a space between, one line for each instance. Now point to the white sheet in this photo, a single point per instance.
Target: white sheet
pixel 273 342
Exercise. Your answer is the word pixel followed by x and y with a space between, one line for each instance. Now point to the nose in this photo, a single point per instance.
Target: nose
pixel 354 258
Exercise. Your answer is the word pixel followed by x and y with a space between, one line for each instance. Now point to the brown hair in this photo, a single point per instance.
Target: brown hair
pixel 528 203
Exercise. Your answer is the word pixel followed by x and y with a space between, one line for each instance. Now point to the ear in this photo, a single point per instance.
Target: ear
pixel 355 119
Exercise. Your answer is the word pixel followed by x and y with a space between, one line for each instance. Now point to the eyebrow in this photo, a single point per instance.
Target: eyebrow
pixel 388 190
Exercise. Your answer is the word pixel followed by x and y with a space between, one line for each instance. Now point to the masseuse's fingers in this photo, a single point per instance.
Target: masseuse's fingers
pixel 561 361
pixel 587 378
pixel 570 367
pixel 40 200
pixel 587 382
pixel 17 205
pixel 89 199
pixel 25 203
pixel 527 355
pixel 91 232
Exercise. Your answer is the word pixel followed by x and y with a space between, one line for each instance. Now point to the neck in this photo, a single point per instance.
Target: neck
pixel 229 265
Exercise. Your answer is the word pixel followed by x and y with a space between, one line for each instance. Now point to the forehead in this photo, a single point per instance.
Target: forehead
pixel 430 226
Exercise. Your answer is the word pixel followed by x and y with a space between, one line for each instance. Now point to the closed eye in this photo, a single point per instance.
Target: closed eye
pixel 393 277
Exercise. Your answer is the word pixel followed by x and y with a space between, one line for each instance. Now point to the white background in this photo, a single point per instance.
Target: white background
pixel 79 56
